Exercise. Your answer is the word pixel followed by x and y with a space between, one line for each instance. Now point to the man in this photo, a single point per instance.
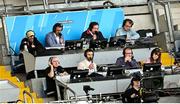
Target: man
pixel 126 30
pixel 133 94
pixel 55 38
pixel 88 62
pixel 31 44
pixel 53 70
pixel 127 60
pixel 92 33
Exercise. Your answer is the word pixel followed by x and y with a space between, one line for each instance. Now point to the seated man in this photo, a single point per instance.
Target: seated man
pixel 88 63
pixel 133 94
pixel 127 60
pixel 126 30
pixel 51 71
pixel 31 44
pixel 55 38
pixel 92 33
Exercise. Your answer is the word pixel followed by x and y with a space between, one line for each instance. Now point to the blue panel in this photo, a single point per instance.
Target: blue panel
pixel 74 24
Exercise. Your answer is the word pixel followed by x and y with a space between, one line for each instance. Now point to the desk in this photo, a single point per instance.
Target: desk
pixel 109 86
pixel 72 59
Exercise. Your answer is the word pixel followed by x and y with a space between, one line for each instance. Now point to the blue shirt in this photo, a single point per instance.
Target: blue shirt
pixel 131 34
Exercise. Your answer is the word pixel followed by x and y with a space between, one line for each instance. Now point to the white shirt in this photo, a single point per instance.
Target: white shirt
pixel 85 65
pixel 57 38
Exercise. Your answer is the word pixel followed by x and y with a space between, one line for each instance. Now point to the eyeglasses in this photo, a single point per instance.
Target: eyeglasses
pixel 128 53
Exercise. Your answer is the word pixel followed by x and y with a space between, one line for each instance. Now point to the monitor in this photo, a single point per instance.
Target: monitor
pixel 73 44
pixel 117 41
pixel 153 83
pixel 152 69
pixel 79 74
pixel 98 43
pixel 115 70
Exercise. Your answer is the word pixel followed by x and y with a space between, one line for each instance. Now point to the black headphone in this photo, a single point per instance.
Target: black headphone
pixel 134 79
pixel 50 59
pixel 88 50
pixel 92 24
pixel 127 20
pixel 124 50
pixel 57 25
pixel 29 31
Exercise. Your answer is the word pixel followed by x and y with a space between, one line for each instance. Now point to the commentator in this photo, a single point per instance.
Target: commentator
pixel 89 64
pixel 53 70
pixel 127 60
pixel 155 56
pixel 55 38
pixel 133 94
pixel 126 30
pixel 92 33
pixel 31 44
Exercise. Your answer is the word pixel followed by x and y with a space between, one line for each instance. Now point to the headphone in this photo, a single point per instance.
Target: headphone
pixel 57 25
pixel 88 50
pixel 51 58
pixel 92 24
pixel 134 79
pixel 124 50
pixel 127 20
pixel 28 32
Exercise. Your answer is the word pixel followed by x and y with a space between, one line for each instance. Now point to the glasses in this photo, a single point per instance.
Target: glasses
pixel 128 53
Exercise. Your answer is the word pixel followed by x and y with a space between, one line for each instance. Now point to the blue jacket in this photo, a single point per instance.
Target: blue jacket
pixel 51 41
pixel 121 62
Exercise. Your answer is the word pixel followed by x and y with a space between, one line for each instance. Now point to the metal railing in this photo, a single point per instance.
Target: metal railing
pixel 24 96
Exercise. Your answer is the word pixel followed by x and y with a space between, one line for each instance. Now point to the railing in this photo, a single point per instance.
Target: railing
pixel 24 96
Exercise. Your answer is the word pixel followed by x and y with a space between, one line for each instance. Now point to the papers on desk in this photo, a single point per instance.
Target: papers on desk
pixel 61 47
pixel 65 78
pixel 129 72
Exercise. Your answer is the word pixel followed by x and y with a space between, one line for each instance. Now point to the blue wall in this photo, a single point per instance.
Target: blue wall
pixel 74 24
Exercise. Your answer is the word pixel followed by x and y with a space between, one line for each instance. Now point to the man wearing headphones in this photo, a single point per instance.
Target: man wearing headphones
pixel 126 30
pixel 133 94
pixel 55 38
pixel 53 70
pixel 31 44
pixel 127 60
pixel 92 33
pixel 88 62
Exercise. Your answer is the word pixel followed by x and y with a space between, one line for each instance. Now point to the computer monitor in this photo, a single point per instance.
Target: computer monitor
pixel 98 43
pixel 117 41
pixel 79 74
pixel 115 70
pixel 73 44
pixel 153 83
pixel 152 69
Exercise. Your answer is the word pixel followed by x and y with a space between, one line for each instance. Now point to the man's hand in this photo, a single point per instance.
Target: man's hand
pixel 49 63
pixel 134 95
pixel 33 46
pixel 91 66
pixel 128 59
pixel 94 37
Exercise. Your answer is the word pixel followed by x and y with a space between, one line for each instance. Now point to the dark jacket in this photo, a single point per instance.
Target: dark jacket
pixel 34 51
pixel 127 96
pixel 121 62
pixel 87 35
pixel 50 82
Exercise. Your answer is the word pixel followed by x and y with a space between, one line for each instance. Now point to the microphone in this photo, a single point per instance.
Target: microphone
pixel 97 32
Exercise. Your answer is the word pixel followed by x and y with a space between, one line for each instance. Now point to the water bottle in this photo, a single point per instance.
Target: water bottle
pixel 25 48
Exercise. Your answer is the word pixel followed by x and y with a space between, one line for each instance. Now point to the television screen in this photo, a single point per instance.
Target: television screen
pixel 73 44
pixel 152 69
